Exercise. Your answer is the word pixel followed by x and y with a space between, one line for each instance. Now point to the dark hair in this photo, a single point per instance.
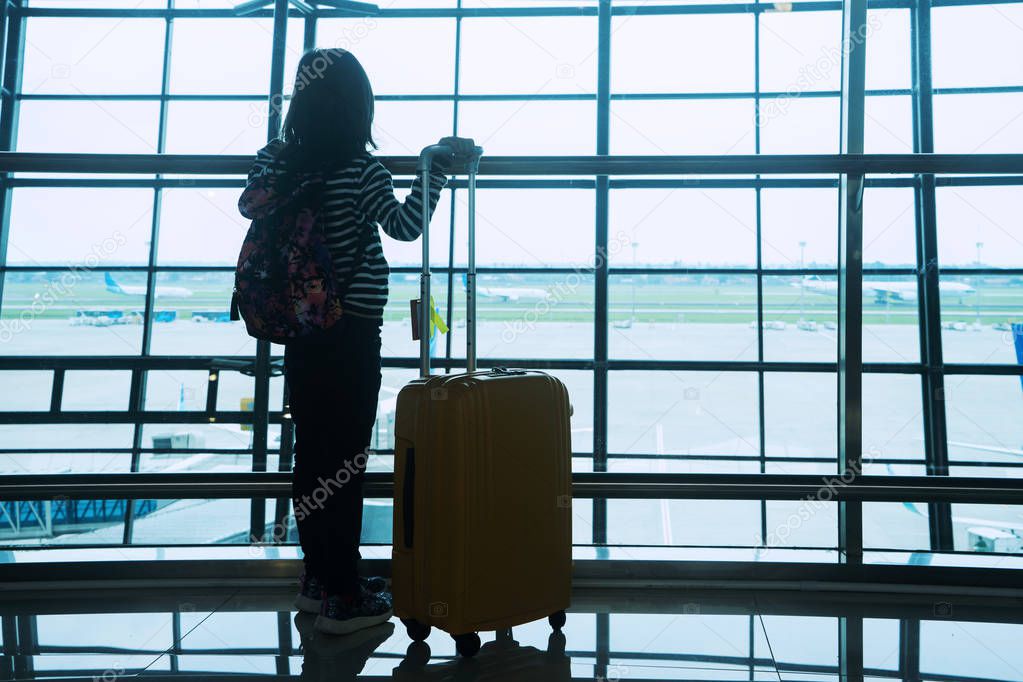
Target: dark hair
pixel 331 114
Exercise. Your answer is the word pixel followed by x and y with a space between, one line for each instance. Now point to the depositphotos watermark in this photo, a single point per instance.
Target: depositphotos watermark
pixel 561 289
pixel 810 505
pixel 61 287
pixel 816 71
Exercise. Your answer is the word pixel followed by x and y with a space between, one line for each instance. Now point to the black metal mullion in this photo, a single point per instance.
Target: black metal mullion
pixel 13 54
pixel 261 397
pixel 909 650
pixel 929 276
pixel 601 277
pixel 139 377
pixel 850 283
pixel 286 454
pixel 850 648
pixel 761 407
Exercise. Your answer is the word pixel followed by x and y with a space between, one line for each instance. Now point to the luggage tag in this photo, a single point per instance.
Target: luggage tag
pixel 436 321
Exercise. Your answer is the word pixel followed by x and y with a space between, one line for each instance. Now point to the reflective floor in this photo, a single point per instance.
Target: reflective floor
pixel 628 635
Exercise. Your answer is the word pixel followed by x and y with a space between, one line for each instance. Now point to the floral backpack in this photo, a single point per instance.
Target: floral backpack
pixel 285 286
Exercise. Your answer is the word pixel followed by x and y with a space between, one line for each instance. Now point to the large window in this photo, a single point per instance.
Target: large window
pixel 694 319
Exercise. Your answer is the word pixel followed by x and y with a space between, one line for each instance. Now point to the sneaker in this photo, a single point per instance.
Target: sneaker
pixel 342 615
pixel 310 594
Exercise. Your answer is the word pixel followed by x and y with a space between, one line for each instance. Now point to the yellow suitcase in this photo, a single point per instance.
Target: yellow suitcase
pixel 482 491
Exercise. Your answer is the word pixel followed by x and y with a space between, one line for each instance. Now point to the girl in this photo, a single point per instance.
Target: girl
pixel 334 379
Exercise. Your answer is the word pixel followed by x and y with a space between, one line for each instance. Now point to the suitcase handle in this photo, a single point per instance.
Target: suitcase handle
pixel 423 167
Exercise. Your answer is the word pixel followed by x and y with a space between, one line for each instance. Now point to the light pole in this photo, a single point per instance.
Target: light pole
pixel 802 277
pixel 976 283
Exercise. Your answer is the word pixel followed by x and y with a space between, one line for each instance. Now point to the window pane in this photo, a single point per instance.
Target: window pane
pixel 690 53
pixel 987 527
pixel 799 51
pixel 88 127
pixel 976 318
pixel 888 49
pixel 216 127
pixel 691 227
pixel 983 421
pixel 70 313
pixel 529 316
pixel 670 522
pixel 90 228
pixel 890 319
pixel 682 127
pixel 979 226
pixel 96 390
pixel 683 317
pixel 802 641
pixel 221 56
pixel 889 125
pixel 404 128
pixel 683 412
pixel 88 56
pixel 394 54
pixel 978 123
pixel 530 127
pixel 34 387
pixel 799 125
pixel 550 55
pixel 531 227
pixel 977 46
pixel 892 417
pixel 191 316
pixel 801 318
pixel 792 403
pixel 965 649
pixel 168 390
pixel 894 525
pixel 201 227
pixel 799 227
pixel 889 227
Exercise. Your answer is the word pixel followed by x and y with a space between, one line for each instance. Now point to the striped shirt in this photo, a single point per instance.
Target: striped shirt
pixel 356 198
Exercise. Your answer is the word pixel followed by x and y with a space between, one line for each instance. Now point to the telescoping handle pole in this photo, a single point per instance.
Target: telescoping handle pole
pixel 425 313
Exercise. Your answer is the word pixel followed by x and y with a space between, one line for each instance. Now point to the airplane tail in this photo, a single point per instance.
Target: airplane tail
pixel 112 285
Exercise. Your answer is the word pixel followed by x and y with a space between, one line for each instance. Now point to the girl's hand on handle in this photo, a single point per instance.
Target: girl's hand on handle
pixel 463 150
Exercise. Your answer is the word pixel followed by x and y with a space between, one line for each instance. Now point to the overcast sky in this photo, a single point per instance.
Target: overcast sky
pixel 973 46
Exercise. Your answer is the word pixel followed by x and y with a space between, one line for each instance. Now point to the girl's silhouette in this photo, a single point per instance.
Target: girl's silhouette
pixel 334 378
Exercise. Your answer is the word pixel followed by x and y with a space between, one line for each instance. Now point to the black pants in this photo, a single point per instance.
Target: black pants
pixel 333 382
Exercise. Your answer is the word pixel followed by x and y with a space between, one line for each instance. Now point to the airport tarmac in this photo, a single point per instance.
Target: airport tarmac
pixel 653 413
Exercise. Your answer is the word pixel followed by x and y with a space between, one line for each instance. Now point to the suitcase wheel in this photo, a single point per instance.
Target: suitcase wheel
pixel 416 631
pixel 467 645
pixel 557 620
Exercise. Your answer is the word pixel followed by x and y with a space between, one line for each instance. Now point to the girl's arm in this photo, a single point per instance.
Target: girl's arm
pixel 400 220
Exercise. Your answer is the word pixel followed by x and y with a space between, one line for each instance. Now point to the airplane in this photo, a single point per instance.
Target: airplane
pixel 884 292
pixel 506 294
pixel 114 287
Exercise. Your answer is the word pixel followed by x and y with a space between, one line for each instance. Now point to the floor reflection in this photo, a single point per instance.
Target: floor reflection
pixel 612 635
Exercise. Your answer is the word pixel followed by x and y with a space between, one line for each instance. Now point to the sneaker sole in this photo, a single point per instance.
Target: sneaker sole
pixel 307 604
pixel 332 626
